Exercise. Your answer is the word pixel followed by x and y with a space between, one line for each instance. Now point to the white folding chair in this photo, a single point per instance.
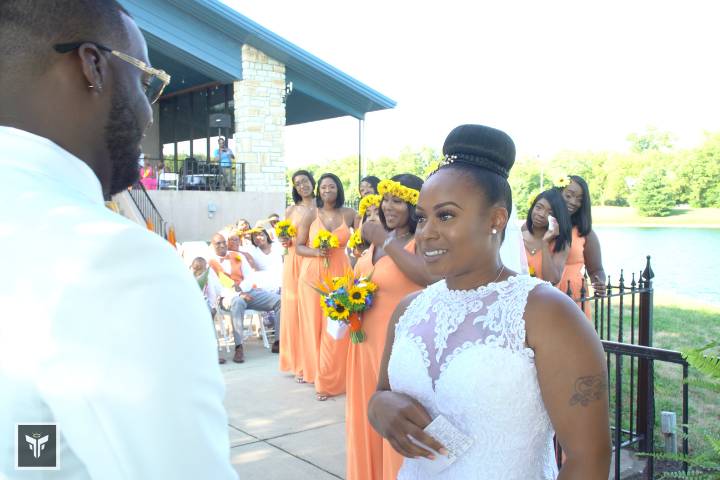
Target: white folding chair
pixel 224 326
pixel 169 181
pixel 257 320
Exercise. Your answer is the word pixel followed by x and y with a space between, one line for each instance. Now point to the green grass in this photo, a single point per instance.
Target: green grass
pixel 680 217
pixel 679 324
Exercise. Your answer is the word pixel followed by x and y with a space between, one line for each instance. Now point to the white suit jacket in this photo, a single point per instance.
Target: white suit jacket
pixel 102 331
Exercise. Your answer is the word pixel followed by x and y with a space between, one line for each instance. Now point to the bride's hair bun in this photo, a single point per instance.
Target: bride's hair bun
pixel 482 147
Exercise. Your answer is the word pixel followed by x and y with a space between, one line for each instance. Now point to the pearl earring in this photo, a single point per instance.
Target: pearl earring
pixel 494 231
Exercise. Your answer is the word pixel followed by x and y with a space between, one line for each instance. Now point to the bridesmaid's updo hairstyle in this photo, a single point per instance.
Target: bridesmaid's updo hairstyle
pixel 583 217
pixel 410 181
pixel 484 156
pixel 340 199
pixel 295 195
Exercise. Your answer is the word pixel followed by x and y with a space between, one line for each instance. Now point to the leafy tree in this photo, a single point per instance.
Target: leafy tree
pixel 701 175
pixel 652 139
pixel 652 196
pixel 690 176
pixel 525 183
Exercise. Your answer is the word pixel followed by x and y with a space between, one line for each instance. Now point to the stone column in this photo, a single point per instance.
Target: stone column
pixel 259 121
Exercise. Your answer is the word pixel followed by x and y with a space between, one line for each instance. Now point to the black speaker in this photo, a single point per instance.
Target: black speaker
pixel 220 120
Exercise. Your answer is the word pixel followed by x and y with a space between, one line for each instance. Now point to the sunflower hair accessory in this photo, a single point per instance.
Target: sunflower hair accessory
pixel 562 181
pixel 367 201
pixel 396 189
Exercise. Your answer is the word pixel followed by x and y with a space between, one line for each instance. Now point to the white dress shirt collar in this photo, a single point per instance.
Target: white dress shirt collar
pixel 37 155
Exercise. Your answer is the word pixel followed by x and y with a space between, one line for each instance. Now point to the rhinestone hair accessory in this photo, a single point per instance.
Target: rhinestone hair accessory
pixel 475 161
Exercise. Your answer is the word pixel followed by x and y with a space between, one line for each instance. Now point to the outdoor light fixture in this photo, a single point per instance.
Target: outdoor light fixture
pixel 212 208
pixel 287 92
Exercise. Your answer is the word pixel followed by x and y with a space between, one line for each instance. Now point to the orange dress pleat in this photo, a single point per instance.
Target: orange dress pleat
pixel 323 358
pixel 574 270
pixel 368 455
pixel 290 331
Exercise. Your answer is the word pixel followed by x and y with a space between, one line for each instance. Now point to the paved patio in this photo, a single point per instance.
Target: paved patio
pixel 278 430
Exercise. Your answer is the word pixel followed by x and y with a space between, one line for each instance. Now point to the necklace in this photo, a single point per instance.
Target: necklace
pixel 498 275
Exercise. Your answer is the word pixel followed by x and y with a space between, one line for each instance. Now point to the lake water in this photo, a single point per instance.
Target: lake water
pixel 686 261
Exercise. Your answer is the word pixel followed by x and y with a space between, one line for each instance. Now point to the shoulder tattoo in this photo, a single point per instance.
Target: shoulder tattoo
pixel 588 389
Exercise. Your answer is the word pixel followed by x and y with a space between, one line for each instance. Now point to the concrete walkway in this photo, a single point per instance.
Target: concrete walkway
pixel 278 430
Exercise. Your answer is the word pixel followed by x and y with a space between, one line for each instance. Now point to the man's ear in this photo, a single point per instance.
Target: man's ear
pixel 94 66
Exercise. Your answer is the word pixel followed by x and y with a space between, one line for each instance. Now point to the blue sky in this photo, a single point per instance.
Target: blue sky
pixel 554 74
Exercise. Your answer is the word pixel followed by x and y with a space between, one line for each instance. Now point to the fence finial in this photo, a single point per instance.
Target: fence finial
pixel 648 274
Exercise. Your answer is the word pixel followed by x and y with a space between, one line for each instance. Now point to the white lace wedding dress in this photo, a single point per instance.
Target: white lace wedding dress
pixel 462 354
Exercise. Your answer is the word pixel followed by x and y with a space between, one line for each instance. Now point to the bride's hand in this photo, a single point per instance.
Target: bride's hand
pixel 395 416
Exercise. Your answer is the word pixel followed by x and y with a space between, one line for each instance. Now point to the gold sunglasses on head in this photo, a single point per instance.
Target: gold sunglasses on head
pixel 155 82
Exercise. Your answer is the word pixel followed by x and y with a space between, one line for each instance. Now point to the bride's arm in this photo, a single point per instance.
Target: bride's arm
pixel 395 415
pixel 572 374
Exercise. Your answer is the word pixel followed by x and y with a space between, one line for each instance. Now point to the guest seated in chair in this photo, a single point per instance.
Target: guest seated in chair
pixel 268 259
pixel 232 267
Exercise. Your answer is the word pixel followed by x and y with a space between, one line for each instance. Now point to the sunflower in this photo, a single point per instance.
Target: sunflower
pixel 369 286
pixel 367 201
pixel 355 239
pixel 338 312
pixel 357 295
pixel 562 181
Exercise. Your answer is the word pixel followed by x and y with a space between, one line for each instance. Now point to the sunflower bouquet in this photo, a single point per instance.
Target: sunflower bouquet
pixel 343 299
pixel 285 230
pixel 355 240
pixel 325 240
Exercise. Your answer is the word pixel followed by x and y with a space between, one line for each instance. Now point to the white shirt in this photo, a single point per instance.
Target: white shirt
pixel 270 267
pixel 213 290
pixel 102 331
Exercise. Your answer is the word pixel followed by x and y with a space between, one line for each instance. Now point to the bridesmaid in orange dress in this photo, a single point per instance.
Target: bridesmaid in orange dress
pixel 368 186
pixel 323 358
pixel 303 194
pixel 547 236
pixel 585 254
pixel 397 271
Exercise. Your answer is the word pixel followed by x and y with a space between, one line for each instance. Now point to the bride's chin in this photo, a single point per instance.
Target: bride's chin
pixel 436 268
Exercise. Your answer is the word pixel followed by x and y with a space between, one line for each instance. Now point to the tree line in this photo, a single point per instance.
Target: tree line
pixel 651 175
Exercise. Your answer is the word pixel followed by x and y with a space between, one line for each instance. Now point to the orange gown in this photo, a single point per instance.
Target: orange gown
pixel 368 455
pixel 290 342
pixel 573 271
pixel 323 358
pixel 534 263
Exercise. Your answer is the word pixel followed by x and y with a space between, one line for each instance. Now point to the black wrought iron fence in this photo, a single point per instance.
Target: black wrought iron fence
pixel 623 318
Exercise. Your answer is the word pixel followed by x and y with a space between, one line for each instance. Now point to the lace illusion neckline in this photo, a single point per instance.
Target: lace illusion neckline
pixel 482 289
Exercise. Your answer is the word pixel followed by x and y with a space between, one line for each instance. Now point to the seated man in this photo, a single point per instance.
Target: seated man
pixel 234 266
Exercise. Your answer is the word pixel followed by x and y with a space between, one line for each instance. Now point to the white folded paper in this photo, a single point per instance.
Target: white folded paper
pixel 336 329
pixel 455 441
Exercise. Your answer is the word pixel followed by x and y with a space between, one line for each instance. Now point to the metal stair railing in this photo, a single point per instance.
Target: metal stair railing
pixel 153 219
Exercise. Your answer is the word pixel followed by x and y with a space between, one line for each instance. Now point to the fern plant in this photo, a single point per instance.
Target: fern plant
pixel 705 465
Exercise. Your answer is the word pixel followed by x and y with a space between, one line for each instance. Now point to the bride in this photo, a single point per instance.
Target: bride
pixel 499 362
